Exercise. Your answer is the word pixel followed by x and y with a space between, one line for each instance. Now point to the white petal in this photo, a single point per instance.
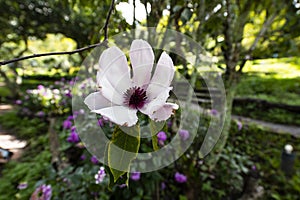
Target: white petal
pixel 113 65
pixel 156 103
pixel 120 115
pixel 164 112
pixel 96 101
pixel 142 59
pixel 162 76
pixel 110 93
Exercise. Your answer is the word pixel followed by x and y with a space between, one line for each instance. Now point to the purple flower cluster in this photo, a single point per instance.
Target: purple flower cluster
pixel 100 175
pixel 68 124
pixel 135 176
pixel 43 192
pixel 180 178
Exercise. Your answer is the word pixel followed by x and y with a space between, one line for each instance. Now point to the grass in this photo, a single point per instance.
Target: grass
pixel 273 80
pixel 270 88
pixel 264 149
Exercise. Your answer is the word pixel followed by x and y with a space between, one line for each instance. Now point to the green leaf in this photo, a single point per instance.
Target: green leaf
pixel 120 151
pixel 154 128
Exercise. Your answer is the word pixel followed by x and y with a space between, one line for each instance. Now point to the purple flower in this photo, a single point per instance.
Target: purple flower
pixel 169 124
pixel 163 186
pixel 83 86
pixel 71 117
pixel 180 178
pixel 94 160
pixel 239 125
pixel 18 102
pixel 162 136
pixel 184 134
pixel 67 124
pixel 68 93
pixel 40 114
pixel 100 175
pixel 22 186
pixel 101 122
pixel 214 112
pixel 71 82
pixel 73 137
pixel 82 157
pixel 122 185
pixel 43 192
pixel 135 176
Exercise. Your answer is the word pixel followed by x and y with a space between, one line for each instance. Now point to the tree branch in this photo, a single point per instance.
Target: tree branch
pixel 266 25
pixel 105 27
pixel 54 53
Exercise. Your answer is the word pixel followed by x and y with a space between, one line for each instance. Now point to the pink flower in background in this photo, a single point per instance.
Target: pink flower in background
pixel 121 95
pixel 18 102
pixel 43 192
pixel 40 87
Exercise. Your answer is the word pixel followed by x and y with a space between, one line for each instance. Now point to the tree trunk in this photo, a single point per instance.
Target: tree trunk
pixel 230 80
pixel 54 144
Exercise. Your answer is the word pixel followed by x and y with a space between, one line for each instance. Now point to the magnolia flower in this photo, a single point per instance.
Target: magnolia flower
pixel 121 95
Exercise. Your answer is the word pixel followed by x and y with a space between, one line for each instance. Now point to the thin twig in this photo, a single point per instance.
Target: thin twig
pixel 105 27
pixel 54 53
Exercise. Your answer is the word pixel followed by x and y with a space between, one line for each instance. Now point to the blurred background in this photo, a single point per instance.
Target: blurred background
pixel 253 45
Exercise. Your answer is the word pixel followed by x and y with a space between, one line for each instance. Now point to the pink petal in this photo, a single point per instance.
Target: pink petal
pixel 120 115
pixel 114 67
pixel 162 76
pixel 164 112
pixel 142 59
pixel 96 101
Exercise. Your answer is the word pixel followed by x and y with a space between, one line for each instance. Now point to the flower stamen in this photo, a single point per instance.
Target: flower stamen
pixel 135 97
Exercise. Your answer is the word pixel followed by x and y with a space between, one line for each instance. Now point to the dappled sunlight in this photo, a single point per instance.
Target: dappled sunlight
pixel 274 67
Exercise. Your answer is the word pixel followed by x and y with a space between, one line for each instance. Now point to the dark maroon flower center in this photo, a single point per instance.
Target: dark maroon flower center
pixel 135 97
